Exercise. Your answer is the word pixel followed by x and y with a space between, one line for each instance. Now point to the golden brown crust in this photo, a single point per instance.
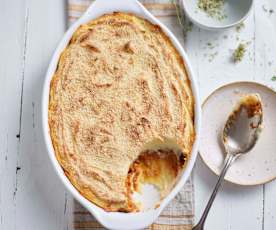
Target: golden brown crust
pixel 120 83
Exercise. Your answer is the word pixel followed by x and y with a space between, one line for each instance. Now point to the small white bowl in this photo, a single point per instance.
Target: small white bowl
pixel 118 220
pixel 236 11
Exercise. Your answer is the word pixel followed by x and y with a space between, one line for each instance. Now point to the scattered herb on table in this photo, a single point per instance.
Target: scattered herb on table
pixel 273 78
pixel 212 56
pixel 264 8
pixel 182 20
pixel 210 45
pixel 239 53
pixel 214 8
pixel 240 27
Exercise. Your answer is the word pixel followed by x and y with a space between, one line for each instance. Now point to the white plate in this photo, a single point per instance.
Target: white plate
pixel 259 165
pixel 117 220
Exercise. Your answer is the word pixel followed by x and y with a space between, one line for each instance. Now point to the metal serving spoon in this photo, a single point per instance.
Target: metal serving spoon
pixel 239 136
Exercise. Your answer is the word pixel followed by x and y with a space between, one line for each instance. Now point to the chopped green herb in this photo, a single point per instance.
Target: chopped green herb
pixel 273 78
pixel 239 52
pixel 214 8
pixel 265 9
pixel 212 56
pixel 240 27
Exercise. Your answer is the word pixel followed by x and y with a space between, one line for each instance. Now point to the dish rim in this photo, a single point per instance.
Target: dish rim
pixel 118 220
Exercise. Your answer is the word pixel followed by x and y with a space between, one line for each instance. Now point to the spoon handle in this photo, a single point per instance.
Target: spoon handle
pixel 227 163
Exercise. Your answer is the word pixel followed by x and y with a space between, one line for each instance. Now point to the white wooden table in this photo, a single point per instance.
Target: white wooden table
pixel 31 195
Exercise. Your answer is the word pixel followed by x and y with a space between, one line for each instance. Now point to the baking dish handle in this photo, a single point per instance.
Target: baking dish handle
pixel 125 221
pixel 100 7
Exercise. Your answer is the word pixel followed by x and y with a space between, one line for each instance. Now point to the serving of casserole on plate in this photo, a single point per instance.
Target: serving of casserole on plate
pixel 121 112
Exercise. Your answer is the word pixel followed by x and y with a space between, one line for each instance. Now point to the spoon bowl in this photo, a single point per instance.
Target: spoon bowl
pixel 243 126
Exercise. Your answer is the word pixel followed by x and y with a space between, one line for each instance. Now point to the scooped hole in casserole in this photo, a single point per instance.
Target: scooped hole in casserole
pixel 153 174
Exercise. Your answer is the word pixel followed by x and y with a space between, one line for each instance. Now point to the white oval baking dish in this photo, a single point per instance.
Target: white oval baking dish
pixel 117 220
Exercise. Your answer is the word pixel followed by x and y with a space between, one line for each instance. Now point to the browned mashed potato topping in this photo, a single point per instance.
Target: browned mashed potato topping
pixel 120 101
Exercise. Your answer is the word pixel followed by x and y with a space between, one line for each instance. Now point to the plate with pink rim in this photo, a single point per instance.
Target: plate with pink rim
pixel 259 165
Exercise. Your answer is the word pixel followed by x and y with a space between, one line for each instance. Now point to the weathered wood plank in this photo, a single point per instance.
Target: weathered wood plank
pixel 12 56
